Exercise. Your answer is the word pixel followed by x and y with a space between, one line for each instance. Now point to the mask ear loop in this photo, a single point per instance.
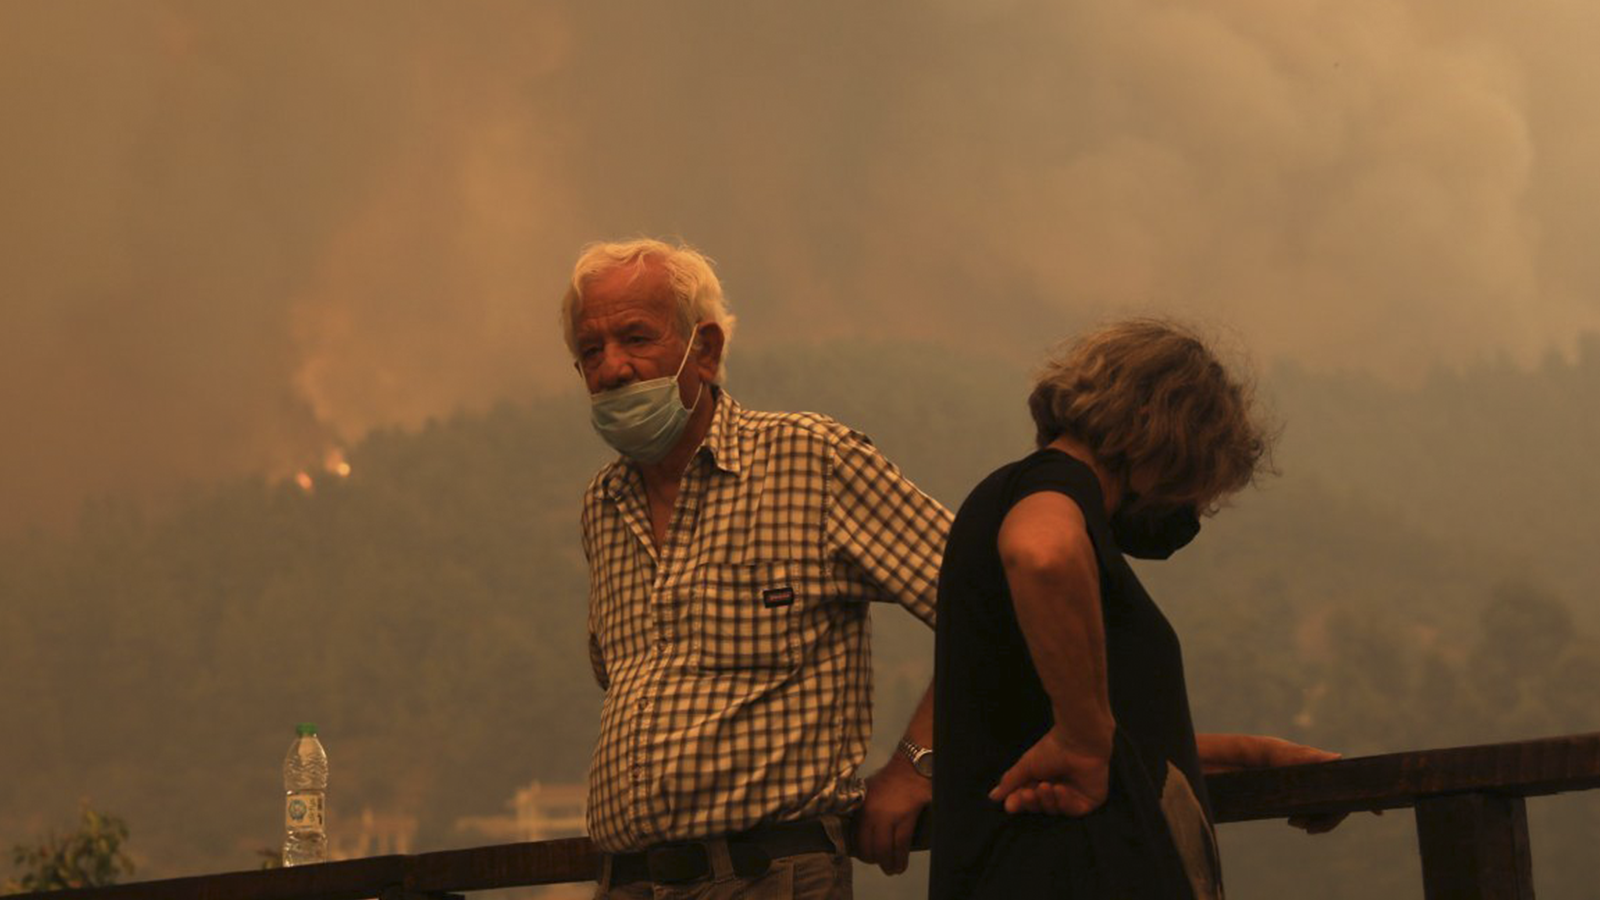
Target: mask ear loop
pixel 694 335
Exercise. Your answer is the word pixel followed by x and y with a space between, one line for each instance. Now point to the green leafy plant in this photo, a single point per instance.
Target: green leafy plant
pixel 91 856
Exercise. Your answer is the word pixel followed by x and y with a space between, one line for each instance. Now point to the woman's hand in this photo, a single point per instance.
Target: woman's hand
pixel 1055 778
pixel 1232 752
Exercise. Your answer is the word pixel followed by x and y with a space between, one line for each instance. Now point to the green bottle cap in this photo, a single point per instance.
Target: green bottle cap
pixel 306 729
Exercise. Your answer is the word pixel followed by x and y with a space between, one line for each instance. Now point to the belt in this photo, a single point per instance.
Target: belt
pixel 750 852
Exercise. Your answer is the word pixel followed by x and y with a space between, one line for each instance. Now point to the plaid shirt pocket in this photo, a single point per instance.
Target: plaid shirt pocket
pixel 744 614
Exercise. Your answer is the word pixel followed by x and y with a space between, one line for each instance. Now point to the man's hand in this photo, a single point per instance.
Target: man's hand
pixel 1056 778
pixel 896 796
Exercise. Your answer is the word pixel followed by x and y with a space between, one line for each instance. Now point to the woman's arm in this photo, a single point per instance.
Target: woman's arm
pixel 1230 752
pixel 1054 579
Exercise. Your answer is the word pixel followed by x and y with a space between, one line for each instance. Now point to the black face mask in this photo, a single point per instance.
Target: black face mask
pixel 1153 533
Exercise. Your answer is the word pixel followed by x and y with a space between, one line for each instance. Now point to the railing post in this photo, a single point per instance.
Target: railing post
pixel 1474 847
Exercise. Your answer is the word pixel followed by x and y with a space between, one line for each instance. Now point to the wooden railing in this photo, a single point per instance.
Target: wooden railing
pixel 1472 831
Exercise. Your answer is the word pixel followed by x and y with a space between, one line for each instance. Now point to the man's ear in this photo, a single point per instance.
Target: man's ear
pixel 708 350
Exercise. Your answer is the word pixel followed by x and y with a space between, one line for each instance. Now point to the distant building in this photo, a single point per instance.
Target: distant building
pixel 540 812
pixel 379 834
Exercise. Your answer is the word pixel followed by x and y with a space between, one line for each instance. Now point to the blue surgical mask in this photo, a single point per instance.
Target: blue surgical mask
pixel 643 420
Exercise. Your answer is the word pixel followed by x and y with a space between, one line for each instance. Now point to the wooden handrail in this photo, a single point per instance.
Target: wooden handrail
pixel 1472 833
pixel 1396 780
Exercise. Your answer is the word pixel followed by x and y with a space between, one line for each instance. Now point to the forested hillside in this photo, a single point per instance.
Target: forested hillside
pixel 1422 574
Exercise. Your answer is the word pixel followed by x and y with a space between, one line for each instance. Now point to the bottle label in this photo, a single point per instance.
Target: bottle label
pixel 303 811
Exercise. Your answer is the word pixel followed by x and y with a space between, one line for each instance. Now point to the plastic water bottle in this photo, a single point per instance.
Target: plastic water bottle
pixel 305 785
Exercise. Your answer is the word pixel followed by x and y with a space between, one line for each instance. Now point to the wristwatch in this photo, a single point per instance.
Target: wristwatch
pixel 921 757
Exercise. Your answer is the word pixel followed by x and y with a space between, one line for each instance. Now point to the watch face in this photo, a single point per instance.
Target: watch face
pixel 924 763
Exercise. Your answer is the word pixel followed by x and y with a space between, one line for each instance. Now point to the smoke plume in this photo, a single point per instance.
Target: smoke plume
pixel 233 236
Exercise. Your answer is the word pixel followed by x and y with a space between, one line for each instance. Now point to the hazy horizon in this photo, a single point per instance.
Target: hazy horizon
pixel 236 238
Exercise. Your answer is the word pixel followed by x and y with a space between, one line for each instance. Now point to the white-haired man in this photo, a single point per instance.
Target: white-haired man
pixel 732 555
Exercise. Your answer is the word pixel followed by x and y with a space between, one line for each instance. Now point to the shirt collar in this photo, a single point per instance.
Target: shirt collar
pixel 722 440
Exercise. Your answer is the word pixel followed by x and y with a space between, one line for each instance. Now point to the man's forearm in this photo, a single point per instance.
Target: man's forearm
pixel 919 730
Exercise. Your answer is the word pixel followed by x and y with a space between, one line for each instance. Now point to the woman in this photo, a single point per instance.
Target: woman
pixel 1068 764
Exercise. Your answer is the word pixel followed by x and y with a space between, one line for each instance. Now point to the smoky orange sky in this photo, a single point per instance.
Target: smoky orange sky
pixel 233 235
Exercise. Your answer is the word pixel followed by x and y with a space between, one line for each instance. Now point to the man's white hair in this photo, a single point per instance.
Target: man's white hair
pixel 694 284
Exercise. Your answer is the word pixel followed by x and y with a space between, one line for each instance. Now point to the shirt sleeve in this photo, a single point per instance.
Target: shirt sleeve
pixel 886 529
pixel 597 662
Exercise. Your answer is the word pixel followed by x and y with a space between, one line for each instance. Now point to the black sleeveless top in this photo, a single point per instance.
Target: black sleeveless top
pixel 1152 838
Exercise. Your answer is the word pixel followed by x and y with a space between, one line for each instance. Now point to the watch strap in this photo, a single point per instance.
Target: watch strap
pixel 916 753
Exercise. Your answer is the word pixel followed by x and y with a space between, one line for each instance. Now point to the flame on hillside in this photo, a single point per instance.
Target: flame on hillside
pixel 333 463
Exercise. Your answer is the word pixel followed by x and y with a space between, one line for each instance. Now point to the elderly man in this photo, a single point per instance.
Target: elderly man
pixel 732 555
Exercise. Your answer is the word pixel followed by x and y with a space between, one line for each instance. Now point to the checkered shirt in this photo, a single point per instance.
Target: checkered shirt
pixel 736 659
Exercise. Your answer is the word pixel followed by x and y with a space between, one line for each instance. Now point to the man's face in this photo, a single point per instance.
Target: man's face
pixel 627 331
